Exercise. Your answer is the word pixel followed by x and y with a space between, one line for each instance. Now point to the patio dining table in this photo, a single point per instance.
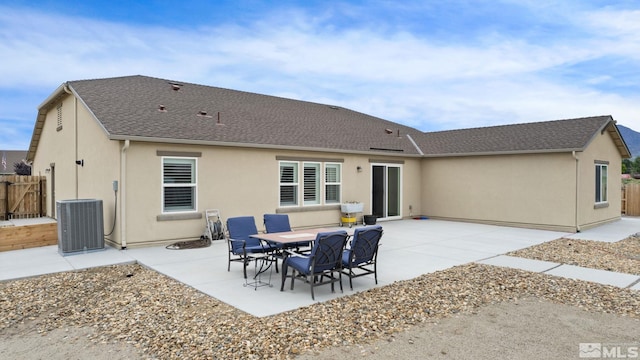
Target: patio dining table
pixel 290 237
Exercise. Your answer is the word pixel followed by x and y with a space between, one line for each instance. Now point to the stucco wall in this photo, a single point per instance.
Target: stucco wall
pixel 237 181
pixel 57 147
pixel 101 167
pixel 81 138
pixel 533 190
pixel 602 148
pixel 240 181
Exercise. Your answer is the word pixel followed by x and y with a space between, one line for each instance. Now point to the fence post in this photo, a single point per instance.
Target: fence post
pixel 5 216
pixel 624 199
pixel 40 196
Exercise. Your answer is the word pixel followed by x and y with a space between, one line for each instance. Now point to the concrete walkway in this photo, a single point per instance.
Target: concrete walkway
pixel 611 232
pixel 569 271
pixel 409 248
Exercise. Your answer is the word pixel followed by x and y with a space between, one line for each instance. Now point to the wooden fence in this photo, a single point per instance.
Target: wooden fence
pixel 631 199
pixel 22 197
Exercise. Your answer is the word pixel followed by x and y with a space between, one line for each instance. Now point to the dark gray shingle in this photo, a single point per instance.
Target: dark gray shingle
pixel 129 107
pixel 557 135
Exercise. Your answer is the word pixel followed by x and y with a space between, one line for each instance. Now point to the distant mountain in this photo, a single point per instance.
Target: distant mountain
pixel 632 138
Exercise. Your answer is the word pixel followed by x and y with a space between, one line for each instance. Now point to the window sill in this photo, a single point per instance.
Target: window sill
pixel 601 205
pixel 180 216
pixel 297 209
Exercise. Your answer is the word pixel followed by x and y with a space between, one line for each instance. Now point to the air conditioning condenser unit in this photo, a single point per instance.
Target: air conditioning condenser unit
pixel 80 226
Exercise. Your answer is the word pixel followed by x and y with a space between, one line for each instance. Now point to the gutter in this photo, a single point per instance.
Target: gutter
pixel 123 193
pixel 511 152
pixel 260 146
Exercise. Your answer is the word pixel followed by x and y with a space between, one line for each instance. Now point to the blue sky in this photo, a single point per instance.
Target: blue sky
pixel 433 65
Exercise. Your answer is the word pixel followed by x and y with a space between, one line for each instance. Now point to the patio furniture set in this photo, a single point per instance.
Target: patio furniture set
pixel 314 256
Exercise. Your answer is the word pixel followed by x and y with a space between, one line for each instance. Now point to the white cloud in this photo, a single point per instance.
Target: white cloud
pixel 615 23
pixel 407 77
pixel 93 48
pixel 617 31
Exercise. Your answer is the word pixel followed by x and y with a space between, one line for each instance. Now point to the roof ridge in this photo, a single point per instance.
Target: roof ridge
pixel 111 78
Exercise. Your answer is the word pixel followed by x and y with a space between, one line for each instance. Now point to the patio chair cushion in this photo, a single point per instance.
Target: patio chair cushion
pixel 276 223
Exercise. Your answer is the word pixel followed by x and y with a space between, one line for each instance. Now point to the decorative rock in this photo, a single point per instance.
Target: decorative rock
pixel 166 319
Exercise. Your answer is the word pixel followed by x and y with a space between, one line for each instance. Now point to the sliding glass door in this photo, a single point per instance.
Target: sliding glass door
pixel 386 191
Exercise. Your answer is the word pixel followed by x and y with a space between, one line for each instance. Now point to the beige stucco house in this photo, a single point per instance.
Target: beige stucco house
pixel 175 149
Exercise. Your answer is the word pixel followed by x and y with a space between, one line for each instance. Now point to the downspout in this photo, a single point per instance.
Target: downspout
pixel 123 194
pixel 577 209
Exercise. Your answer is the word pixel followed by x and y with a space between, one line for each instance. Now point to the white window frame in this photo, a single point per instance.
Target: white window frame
pixel 193 184
pixel 385 198
pixel 320 185
pixel 295 183
pixel 601 183
pixel 337 183
pixel 317 186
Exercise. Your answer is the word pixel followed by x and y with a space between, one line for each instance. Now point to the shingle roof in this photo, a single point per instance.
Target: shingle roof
pixel 151 109
pixel 129 107
pixel 546 136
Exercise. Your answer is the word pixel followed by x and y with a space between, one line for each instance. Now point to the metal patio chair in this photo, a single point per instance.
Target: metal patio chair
pixel 362 254
pixel 241 245
pixel 324 261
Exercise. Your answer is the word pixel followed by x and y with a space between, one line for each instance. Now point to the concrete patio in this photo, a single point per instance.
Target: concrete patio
pixel 409 248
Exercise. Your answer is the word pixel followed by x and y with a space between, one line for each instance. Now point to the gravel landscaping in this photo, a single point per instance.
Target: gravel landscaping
pixel 622 256
pixel 132 312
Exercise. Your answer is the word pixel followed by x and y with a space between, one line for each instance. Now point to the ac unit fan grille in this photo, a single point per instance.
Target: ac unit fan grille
pixel 80 225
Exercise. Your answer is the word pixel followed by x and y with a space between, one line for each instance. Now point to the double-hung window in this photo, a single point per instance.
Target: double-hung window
pixel 314 182
pixel 288 183
pixel 311 183
pixel 332 183
pixel 179 186
pixel 601 183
